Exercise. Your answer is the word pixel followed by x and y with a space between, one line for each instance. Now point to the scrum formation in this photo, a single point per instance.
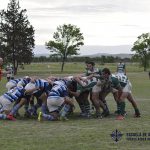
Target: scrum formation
pixel 53 98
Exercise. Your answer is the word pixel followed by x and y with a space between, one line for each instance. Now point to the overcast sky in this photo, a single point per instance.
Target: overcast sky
pixel 102 22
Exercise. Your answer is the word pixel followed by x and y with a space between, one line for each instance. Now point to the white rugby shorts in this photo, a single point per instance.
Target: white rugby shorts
pixel 5 103
pixel 53 103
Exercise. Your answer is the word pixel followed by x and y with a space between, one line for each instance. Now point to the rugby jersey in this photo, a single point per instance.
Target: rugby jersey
pixel 43 85
pixel 58 91
pixel 15 81
pixel 15 94
pixel 94 71
pixel 23 82
pixel 121 68
pixel 117 81
pixel 123 79
pixel 60 82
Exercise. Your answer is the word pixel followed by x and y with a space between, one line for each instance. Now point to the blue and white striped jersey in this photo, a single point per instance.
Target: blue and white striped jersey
pixel 40 83
pixel 15 94
pixel 23 82
pixel 15 81
pixel 58 91
pixel 43 85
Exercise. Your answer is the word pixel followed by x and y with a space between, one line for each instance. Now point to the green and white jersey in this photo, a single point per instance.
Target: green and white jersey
pixel 117 81
pixel 94 71
pixel 123 79
pixel 114 82
pixel 121 68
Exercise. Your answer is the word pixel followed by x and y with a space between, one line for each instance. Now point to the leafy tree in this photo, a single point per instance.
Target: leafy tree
pixel 142 49
pixel 67 42
pixel 17 34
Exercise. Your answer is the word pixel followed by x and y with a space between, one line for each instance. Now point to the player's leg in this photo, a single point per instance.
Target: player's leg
pixel 132 101
pixel 18 106
pixel 86 104
pixel 102 97
pixel 121 105
pixel 53 105
pixel 5 109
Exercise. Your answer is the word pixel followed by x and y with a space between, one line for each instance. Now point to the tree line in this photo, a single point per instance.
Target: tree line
pixel 102 59
pixel 17 41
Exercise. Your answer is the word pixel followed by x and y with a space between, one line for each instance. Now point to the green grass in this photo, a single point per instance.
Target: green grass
pixel 77 133
pixel 70 68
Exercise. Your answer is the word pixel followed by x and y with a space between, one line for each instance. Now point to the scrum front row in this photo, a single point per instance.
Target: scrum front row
pixel 54 96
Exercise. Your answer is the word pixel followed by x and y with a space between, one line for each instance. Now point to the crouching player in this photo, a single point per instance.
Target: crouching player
pixel 121 88
pixel 40 89
pixel 58 102
pixel 6 100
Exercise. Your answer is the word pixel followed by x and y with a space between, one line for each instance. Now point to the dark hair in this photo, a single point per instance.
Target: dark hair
pixel 91 63
pixel 72 85
pixel 106 71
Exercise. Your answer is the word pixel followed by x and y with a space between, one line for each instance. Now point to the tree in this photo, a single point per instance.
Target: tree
pixel 17 34
pixel 142 49
pixel 67 42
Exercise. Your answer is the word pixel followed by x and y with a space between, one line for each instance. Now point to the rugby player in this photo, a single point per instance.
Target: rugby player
pixel 6 100
pixel 121 68
pixel 121 86
pixel 58 102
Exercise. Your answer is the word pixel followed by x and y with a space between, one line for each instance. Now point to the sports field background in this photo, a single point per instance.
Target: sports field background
pixel 79 133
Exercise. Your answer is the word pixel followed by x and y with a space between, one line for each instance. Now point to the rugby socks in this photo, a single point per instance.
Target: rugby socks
pixel 106 106
pixel 137 111
pixel 3 116
pixel 87 107
pixel 65 110
pixel 36 106
pixel 118 107
pixel 44 108
pixel 82 108
pixel 26 107
pixel 15 109
pixel 48 117
pixel 121 108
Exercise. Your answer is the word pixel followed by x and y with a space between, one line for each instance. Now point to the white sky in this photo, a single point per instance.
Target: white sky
pixel 102 22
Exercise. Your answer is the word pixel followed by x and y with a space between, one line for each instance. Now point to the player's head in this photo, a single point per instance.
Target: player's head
pixel 121 61
pixel 72 85
pixel 90 65
pixel 27 78
pixel 106 73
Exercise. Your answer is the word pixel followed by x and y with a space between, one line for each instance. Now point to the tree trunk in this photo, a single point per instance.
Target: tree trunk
pixel 145 63
pixel 63 63
pixel 15 65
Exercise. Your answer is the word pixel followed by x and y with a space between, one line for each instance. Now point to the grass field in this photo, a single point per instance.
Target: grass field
pixel 79 133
